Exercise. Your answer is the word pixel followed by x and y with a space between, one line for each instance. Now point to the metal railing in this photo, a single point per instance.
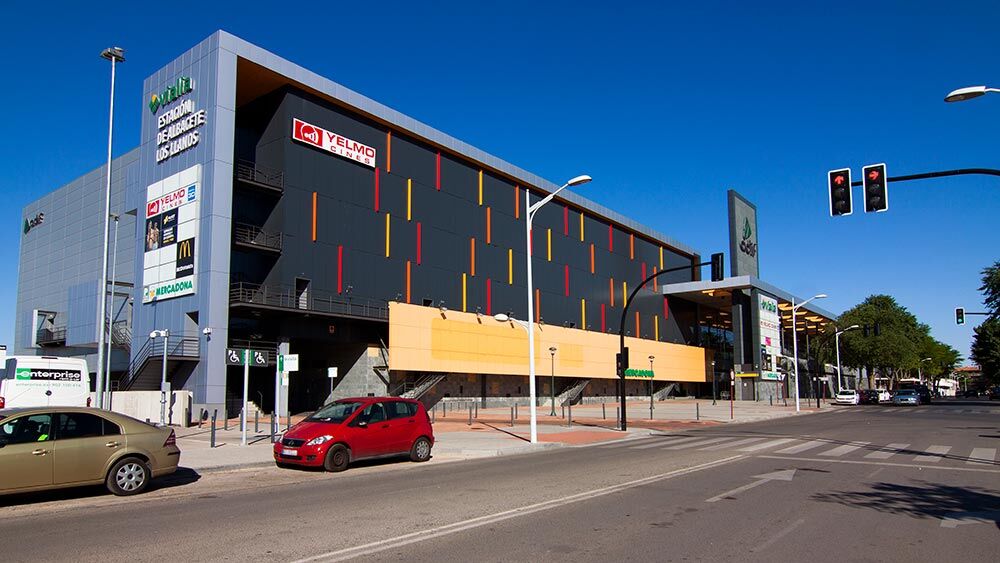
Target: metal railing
pixel 286 297
pixel 252 172
pixel 255 236
pixel 54 335
pixel 121 334
pixel 183 346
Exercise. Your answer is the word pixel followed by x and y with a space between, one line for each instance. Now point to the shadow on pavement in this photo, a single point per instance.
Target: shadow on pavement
pixel 926 500
pixel 183 476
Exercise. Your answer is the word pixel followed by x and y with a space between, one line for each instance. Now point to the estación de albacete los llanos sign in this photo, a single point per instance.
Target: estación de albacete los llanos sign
pixel 176 128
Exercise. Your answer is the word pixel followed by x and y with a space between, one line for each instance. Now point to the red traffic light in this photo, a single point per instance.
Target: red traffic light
pixel 839 187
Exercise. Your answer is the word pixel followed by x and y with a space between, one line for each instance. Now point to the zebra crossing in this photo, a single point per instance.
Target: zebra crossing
pixel 820 448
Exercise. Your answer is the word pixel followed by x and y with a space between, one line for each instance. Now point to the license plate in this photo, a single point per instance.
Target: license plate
pixel 289 452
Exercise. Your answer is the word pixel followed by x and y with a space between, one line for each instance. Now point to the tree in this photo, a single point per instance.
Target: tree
pixel 897 346
pixel 991 288
pixel 986 349
pixel 943 360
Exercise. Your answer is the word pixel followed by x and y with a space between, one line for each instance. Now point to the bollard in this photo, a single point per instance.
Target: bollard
pixel 256 422
pixel 618 418
pixel 272 427
pixel 215 413
pixel 563 415
pixel 515 411
pixel 697 411
pixel 201 416
pixel 570 419
pixel 288 422
pixel 476 406
pixel 470 415
pixel 650 411
pixel 770 400
pixel 511 417
pixel 444 410
pixel 604 412
pixel 225 420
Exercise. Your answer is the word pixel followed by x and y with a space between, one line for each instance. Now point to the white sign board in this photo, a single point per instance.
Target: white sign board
pixel 331 373
pixel 329 141
pixel 169 265
pixel 770 335
pixel 288 363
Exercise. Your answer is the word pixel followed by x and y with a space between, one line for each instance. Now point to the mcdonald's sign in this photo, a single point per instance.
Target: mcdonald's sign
pixel 185 258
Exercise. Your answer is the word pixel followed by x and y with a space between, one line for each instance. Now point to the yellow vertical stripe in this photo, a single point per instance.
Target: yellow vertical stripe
pixel 583 314
pixel 656 327
pixel 472 256
pixel 510 266
pixel 661 257
pixel 386 235
pixel 480 187
pixel 409 198
pixel 388 152
pixel 624 293
pixel 581 227
pixel 549 243
pixel 463 292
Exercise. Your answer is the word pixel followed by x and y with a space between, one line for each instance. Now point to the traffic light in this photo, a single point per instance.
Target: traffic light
pixel 841 201
pixel 718 267
pixel 876 188
pixel 622 361
pixel 959 315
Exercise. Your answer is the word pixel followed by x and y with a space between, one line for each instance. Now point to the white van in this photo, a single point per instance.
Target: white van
pixel 41 381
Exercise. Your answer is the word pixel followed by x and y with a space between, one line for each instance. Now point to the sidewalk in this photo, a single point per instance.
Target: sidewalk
pixel 491 433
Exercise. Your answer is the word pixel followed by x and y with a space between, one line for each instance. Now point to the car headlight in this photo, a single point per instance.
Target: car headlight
pixel 319 440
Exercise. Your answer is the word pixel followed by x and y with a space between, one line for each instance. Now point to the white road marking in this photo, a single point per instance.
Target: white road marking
pixel 887 451
pixel 784 475
pixel 765 445
pixel 982 455
pixel 779 535
pixel 803 447
pixel 731 444
pixel 447 529
pixel 932 454
pixel 620 444
pixel 661 443
pixel 698 443
pixel 845 449
pixel 882 463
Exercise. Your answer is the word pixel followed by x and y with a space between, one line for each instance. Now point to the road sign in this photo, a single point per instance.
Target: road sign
pixel 288 363
pixel 234 357
pixel 331 373
pixel 258 358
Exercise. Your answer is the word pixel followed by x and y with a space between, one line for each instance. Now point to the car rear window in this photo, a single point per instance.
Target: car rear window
pixel 401 409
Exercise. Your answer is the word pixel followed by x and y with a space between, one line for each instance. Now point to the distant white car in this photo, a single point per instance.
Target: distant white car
pixel 847 397
pixel 884 396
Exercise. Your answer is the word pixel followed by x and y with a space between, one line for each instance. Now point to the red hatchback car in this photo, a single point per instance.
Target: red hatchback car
pixel 360 428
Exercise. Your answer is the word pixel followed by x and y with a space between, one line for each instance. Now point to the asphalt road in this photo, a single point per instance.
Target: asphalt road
pixel 857 483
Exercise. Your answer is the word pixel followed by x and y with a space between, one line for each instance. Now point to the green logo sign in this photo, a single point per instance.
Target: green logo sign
pixel 22 374
pixel 748 246
pixel 648 373
pixel 170 93
pixel 171 288
pixel 768 306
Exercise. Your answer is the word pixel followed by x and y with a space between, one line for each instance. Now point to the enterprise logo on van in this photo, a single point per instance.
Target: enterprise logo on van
pixel 28 374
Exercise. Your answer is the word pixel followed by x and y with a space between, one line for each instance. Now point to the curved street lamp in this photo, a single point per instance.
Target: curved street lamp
pixel 795 344
pixel 840 381
pixel 968 93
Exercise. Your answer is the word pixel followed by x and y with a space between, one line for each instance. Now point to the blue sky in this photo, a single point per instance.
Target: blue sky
pixel 666 104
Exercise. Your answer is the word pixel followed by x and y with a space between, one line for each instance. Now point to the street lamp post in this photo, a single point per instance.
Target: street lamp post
pixel 113 54
pixel 114 264
pixel 920 373
pixel 530 211
pixel 968 93
pixel 165 334
pixel 836 337
pixel 552 384
pixel 651 358
pixel 715 387
pixel 795 345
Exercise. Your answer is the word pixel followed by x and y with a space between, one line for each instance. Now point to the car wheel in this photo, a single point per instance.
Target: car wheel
pixel 337 458
pixel 128 476
pixel 421 450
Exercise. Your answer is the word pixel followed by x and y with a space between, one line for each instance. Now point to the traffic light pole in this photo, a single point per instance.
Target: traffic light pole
pixel 941 174
pixel 622 363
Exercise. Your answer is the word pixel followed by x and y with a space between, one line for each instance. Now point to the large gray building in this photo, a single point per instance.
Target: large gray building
pixel 269 208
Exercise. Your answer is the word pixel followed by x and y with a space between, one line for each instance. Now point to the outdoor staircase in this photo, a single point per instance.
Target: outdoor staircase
pixel 665 392
pixel 421 386
pixel 569 396
pixel 146 368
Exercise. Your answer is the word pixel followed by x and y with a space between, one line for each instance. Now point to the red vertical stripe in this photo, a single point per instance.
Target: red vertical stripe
pixel 644 273
pixel 611 239
pixel 531 242
pixel 437 171
pixel 489 297
pixel 376 190
pixel 340 268
pixel 566 278
pixel 419 243
pixel 666 308
pixel 604 326
pixel 565 221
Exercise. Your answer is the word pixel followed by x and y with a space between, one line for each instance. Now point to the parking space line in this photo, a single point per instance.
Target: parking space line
pixel 932 454
pixel 982 455
pixel 887 451
pixel 844 449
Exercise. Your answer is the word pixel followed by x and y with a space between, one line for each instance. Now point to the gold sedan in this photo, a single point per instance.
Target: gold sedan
pixel 56 447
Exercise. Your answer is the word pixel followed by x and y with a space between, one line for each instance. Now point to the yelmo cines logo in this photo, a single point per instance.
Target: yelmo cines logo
pixel 171 93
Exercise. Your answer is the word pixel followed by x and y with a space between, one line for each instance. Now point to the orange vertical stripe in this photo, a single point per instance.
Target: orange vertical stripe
pixel 472 257
pixel 591 258
pixel 407 281
pixel 388 152
pixel 538 305
pixel 314 217
pixel 517 202
pixel 489 235
pixel 637 334
pixel 631 247
pixel 611 290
